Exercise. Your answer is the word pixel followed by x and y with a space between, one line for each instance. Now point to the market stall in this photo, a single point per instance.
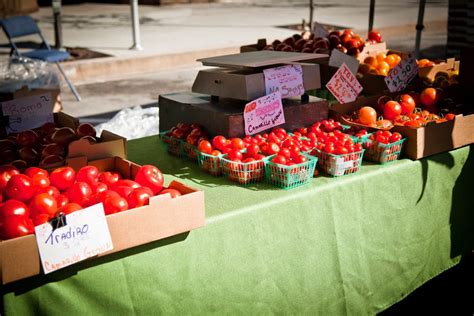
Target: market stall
pixel 355 244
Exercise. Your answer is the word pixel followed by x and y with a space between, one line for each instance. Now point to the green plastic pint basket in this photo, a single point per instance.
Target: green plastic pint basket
pixel 289 177
pixel 243 172
pixel 339 165
pixel 383 153
pixel 210 163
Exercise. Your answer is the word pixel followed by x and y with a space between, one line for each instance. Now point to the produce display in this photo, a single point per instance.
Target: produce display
pixel 381 64
pixel 383 146
pixel 346 41
pixel 36 196
pixel 44 146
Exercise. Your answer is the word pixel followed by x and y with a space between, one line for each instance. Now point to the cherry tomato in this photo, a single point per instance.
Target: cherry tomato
pixel 395 137
pixel 300 159
pixel 367 115
pixel 99 187
pixel 357 147
pixel 150 176
pixel 124 190
pixel 115 204
pixel 16 226
pixel 40 219
pixel 280 159
pixel 6 172
pixel 33 171
pixel 205 147
pixel 272 148
pixel 62 200
pixel 450 116
pixel 252 150
pixel 139 197
pixel 50 190
pixel 70 208
pixel 375 36
pixel 173 192
pixel 43 203
pixel 235 155
pixel 237 143
pixel 79 192
pixel 219 142
pixel 63 178
pixel 381 139
pixel 20 187
pixel 285 152
pixel 89 175
pixel 13 208
pixel 109 177
pixel 215 153
pixel 414 123
pixel 391 110
pixel 407 103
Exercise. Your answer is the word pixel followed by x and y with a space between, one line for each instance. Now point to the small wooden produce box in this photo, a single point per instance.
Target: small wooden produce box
pixel 163 217
pixel 449 66
pixel 424 141
pixel 225 116
pixel 240 76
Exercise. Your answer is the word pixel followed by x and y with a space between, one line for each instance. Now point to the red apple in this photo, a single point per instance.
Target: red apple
pixel 63 136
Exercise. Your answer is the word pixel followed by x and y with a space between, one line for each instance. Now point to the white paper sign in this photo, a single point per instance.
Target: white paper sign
pixel 288 80
pixel 319 30
pixel 338 58
pixel 263 113
pixel 344 85
pixel 28 113
pixel 402 74
pixel 85 235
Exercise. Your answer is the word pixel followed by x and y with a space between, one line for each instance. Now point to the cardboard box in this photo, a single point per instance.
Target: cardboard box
pixel 448 66
pixel 225 117
pixel 164 217
pixel 425 141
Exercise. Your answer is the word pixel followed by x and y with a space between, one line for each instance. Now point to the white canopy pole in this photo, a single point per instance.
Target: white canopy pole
pixel 371 15
pixel 135 26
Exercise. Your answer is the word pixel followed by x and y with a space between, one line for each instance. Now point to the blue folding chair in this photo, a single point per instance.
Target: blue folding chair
pixel 20 26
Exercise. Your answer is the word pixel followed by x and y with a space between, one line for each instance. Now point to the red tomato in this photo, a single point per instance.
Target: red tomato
pixel 300 159
pixel 279 159
pixel 16 226
pixel 124 190
pixel 414 123
pixel 391 110
pixel 285 152
pixel 80 193
pixel 215 153
pixel 62 200
pixel 272 148
pixel 102 196
pixel 150 176
pixel 50 190
pixel 33 171
pixel 89 175
pixel 329 148
pixel 395 137
pixel 367 115
pixel 237 143
pixel 381 139
pixel 340 150
pixel 20 187
pixel 6 172
pixel 62 178
pixel 43 204
pixel 252 150
pixel 450 116
pixel 40 181
pixel 219 142
pixel 40 219
pixel 375 36
pixel 127 183
pixel 258 157
pixel 429 97
pixel 115 204
pixel 13 208
pixel 139 197
pixel 99 187
pixel 235 155
pixel 205 147
pixel 294 151
pixel 407 103
pixel 109 177
pixel 70 208
pixel 173 192
pixel 357 148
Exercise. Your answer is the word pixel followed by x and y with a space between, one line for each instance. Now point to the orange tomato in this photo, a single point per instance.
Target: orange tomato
pixel 381 57
pixel 372 61
pixel 367 115
pixel 383 65
pixel 364 68
pixel 383 72
pixel 391 60
pixel 429 97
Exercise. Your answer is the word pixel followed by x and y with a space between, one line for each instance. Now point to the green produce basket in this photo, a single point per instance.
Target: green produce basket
pixel 383 153
pixel 361 140
pixel 190 152
pixel 243 172
pixel 339 165
pixel 289 177
pixel 174 145
pixel 210 163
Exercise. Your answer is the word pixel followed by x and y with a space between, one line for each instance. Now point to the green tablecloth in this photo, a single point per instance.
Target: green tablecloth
pixel 350 245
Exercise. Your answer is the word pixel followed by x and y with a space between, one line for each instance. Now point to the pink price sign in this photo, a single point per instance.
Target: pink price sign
pixel 401 75
pixel 344 85
pixel 263 113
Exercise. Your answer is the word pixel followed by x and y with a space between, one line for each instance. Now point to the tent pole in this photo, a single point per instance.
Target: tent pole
pixel 371 15
pixel 311 8
pixel 58 34
pixel 419 27
pixel 135 26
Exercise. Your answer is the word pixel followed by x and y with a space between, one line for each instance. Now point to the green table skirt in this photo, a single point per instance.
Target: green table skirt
pixel 350 245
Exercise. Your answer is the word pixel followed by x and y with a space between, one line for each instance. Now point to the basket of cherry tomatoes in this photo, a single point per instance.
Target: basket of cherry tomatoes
pixel 383 147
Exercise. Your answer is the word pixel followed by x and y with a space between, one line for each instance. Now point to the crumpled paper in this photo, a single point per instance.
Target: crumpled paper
pixel 133 123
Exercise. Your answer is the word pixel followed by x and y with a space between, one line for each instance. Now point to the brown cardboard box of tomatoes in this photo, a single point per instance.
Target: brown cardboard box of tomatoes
pixel 49 144
pixel 138 198
pixel 436 136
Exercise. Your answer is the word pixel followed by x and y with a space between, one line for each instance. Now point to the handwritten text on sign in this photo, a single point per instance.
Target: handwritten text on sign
pixel 402 74
pixel 288 80
pixel 263 113
pixel 344 85
pixel 28 113
pixel 85 235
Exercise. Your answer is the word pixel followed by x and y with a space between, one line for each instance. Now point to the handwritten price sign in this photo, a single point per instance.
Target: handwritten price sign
pixel 288 80
pixel 263 113
pixel 28 113
pixel 85 235
pixel 402 74
pixel 344 85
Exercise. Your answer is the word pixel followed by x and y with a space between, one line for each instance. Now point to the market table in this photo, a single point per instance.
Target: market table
pixel 350 245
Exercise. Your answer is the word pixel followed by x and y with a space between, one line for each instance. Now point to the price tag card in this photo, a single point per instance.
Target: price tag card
pixel 84 235
pixel 28 113
pixel 263 113
pixel 401 75
pixel 344 85
pixel 288 80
